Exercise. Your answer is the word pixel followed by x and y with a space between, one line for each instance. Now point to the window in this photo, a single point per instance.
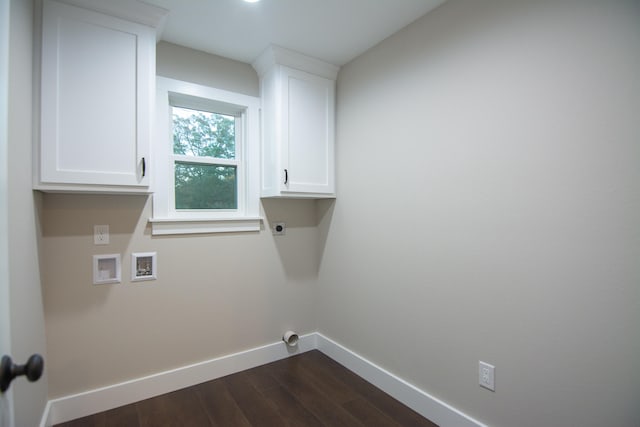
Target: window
pixel 206 159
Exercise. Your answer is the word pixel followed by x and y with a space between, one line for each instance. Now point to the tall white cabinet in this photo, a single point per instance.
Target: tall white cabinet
pixel 98 83
pixel 298 125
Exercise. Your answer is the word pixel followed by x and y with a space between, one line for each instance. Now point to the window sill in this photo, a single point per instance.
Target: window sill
pixel 168 226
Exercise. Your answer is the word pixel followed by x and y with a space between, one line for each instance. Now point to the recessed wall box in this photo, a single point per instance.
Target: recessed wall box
pixel 106 269
pixel 143 266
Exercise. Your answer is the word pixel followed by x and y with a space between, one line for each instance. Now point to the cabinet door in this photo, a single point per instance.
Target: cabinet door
pixel 308 125
pixel 96 81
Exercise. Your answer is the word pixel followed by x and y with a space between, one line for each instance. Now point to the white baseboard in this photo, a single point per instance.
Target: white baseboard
pixel 423 403
pixel 102 399
pixel 90 402
pixel 47 420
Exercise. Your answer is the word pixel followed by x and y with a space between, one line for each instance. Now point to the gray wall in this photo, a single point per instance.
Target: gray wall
pixel 215 294
pixel 488 208
pixel 488 202
pixel 195 66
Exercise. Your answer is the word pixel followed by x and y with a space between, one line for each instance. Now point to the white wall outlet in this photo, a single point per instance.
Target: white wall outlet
pixel 100 234
pixel 486 375
pixel 279 228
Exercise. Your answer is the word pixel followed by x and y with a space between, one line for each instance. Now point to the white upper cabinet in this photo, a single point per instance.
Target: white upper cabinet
pixel 298 125
pixel 98 83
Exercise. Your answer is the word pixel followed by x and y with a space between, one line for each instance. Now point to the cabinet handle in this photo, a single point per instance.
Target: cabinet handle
pixel 286 177
pixel 144 167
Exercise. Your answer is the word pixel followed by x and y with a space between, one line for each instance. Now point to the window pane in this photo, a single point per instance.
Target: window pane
pixel 205 186
pixel 203 134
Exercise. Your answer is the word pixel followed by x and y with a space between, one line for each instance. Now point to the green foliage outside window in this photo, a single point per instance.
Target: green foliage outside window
pixel 204 185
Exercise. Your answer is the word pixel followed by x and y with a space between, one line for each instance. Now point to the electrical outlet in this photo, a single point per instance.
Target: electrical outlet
pixel 278 228
pixel 100 234
pixel 486 375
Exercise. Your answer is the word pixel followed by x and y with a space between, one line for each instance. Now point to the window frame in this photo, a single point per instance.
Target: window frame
pixel 246 109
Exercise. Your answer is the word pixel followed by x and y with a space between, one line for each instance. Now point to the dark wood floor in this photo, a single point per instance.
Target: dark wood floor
pixel 306 390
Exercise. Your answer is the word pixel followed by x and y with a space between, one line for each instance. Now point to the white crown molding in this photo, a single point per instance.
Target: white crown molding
pixel 276 55
pixel 135 11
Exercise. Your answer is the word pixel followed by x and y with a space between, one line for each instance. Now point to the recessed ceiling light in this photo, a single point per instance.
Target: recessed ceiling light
pixel 252 1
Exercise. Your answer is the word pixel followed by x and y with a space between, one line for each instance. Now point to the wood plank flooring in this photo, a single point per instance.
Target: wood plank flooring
pixel 306 390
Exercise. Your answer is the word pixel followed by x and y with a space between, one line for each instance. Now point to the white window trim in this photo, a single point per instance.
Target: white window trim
pixel 166 220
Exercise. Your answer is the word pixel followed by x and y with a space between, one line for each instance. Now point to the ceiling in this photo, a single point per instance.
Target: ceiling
pixel 335 31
